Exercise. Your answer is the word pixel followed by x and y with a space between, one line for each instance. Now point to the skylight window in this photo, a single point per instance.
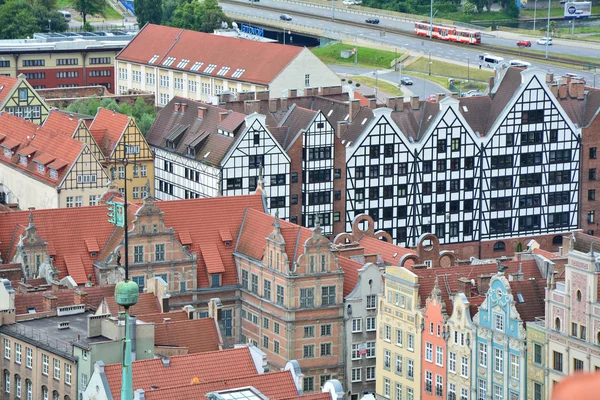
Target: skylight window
pixel 223 71
pixel 363 121
pixel 153 59
pixel 210 68
pixel 238 72
pixel 465 109
pixel 330 112
pixel 169 61
pixel 197 65
pixel 520 298
pixel 183 63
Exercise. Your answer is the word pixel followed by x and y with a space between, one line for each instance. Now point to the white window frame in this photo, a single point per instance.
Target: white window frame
pixel 28 357
pixel 357 325
pixel 356 374
pixel 499 322
pixel 481 389
pixel 515 366
pixel 371 324
pixel 68 373
pixel 387 333
pixel 439 356
pixel 386 388
pixel 56 369
pixel 411 341
pixel 482 349
pixel 499 360
pixel 18 353
pixel 370 376
pixel 399 337
pixel 7 348
pixel 464 367
pixel 428 352
pixel 452 362
pixel 45 364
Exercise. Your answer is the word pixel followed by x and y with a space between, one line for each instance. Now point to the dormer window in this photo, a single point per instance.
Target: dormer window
pixel 53 173
pixel 170 144
pixel 7 153
pixel 191 151
pixel 215 280
pixel 23 160
pixel 41 168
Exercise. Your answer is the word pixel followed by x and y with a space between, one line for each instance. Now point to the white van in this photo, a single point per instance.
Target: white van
pixel 490 60
pixel 66 15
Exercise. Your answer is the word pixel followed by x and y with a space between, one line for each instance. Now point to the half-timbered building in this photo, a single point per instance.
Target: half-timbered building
pixel 17 97
pixel 119 138
pixel 42 168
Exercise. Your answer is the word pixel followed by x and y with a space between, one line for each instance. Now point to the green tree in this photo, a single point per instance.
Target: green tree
pixel 169 7
pixel 203 16
pixel 87 7
pixel 17 20
pixel 148 11
pixel 43 15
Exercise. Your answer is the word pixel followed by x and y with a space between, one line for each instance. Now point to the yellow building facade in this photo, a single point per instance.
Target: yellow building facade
pixel 17 97
pixel 399 340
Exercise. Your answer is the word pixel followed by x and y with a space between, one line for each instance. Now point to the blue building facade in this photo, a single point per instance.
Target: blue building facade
pixel 500 351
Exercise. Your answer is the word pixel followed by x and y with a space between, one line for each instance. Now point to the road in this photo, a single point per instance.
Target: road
pixel 438 49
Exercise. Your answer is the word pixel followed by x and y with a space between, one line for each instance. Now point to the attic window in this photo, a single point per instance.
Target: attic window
pixel 330 112
pixel 227 243
pixel 206 155
pixel 363 121
pixel 429 118
pixel 320 125
pixel 210 68
pixel 191 151
pixel 41 168
pixel 465 109
pixel 238 72
pixel 197 65
pixel 93 254
pixel 8 152
pixel 170 144
pixel 22 160
pixel 223 71
pixel 30 310
pixel 153 59
pixel 169 61
pixel 183 63
pixel 520 298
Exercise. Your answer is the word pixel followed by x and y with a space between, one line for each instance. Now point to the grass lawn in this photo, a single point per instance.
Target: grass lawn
pixel 557 10
pixel 367 57
pixel 448 70
pixel 383 86
pixel 109 12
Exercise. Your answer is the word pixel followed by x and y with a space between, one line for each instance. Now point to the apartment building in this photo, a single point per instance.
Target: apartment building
pixel 177 62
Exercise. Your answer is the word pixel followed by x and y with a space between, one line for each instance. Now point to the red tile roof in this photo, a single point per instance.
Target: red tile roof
pixel 261 61
pixel 7 83
pixel 64 298
pixel 107 128
pixel 312 396
pixel 212 258
pixel 159 318
pixel 41 140
pixel 198 335
pixel 207 367
pixel 61 122
pixel 147 304
pixel 533 293
pixel 549 255
pixel 350 273
pixel 390 252
pixel 275 386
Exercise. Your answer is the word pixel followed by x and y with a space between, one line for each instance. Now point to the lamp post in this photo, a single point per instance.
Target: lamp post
pixel 534 12
pixel 332 9
pixel 548 30
pixel 431 19
pixel 468 68
pixel 430 63
pixel 49 25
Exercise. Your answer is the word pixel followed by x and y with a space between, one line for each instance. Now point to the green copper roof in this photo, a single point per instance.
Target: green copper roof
pixel 127 293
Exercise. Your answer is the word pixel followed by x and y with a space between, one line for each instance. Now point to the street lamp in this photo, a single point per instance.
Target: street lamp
pixel 468 68
pixel 49 25
pixel 431 19
pixel 289 32
pixel 534 11
pixel 548 30
pixel 429 63
pixel 332 9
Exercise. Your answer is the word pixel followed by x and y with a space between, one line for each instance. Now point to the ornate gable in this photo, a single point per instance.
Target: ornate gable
pixel 317 256
pixel 33 255
pixel 275 256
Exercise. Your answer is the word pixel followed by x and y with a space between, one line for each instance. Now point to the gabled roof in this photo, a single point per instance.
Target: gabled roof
pixel 147 304
pixel 200 133
pixel 159 318
pixel 350 268
pixel 7 84
pixel 275 386
pixel 23 136
pixel 197 335
pixel 107 128
pixel 64 298
pixel 297 119
pixel 168 48
pixel 61 122
pixel 206 367
pixel 529 298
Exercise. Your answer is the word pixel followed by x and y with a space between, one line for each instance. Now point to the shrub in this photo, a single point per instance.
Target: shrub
pixel 357 84
pixel 350 81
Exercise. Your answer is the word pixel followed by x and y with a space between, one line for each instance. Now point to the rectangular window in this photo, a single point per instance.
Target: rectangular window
pixel 280 294
pixel 537 353
pixel 439 385
pixel 356 374
pixel 328 295
pixel 325 349
pixel 399 337
pixel 254 282
pixel 307 297
pixel 267 289
pixel 429 352
pixel 577 365
pixel 276 346
pixel 356 325
pixel 7 349
pixel 537 391
pixel 398 368
pixel 514 366
pixel 56 369
pixel 558 361
pixel 498 394
pixel 325 330
pixel 481 389
pixel 452 362
pixel 464 367
pixel 499 361
pixel 371 302
pixel 428 381
pixel 387 359
pixel 483 355
pixel 308 351
pixel 138 254
pixel 45 364
pixel 159 252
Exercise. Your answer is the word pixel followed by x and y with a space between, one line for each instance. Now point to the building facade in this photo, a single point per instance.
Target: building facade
pixel 461 336
pixel 18 97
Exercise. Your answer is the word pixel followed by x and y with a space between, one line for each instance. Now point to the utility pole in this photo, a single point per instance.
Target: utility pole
pixel 534 11
pixel 431 19
pixel 332 9
pixel 548 30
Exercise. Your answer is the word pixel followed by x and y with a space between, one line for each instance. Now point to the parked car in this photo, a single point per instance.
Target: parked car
pixel 285 17
pixel 406 81
pixel 519 64
pixel 524 43
pixel 432 97
pixel 544 40
pixel 349 2
pixel 372 21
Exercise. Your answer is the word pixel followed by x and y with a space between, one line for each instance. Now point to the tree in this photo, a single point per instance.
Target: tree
pixel 203 16
pixel 87 7
pixel 43 15
pixel 17 20
pixel 148 11
pixel 169 7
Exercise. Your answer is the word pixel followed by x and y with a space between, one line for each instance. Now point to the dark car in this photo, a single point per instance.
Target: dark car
pixel 524 43
pixel 285 17
pixel 372 20
pixel 406 81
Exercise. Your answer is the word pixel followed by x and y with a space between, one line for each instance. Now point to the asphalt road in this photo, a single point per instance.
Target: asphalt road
pixel 338 30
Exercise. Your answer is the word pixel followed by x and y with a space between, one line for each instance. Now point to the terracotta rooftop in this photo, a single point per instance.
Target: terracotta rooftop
pixel 198 335
pixel 42 145
pixel 529 298
pixel 549 255
pixel 159 318
pixel 389 252
pixel 7 83
pixel 275 386
pixel 64 298
pixel 62 122
pixel 169 47
pixel 206 367
pixel 107 128
pixel 147 304
pixel 350 268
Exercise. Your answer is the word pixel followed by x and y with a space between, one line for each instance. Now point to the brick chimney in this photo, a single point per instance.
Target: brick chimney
pixel 549 77
pixel 284 103
pixel 183 107
pixel 201 112
pixel 272 105
pixel 251 106
pixel 575 89
pixel 332 89
pixel 50 302
pixel 554 89
pixel 440 96
pixel 80 297
pixel 395 103
pixel 483 283
pixel 246 96
pixel 353 109
pixel 414 102
pixel 562 91
pixel 223 115
pixel 262 95
pixel 293 93
pixel 465 286
pixel 372 103
pixel 341 126
pixel 491 82
pixel 177 107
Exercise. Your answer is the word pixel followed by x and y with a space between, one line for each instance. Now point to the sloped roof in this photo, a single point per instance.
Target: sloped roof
pixel 207 367
pixel 261 61
pixel 147 304
pixel 389 252
pixel 64 298
pixel 549 255
pixel 61 122
pixel 296 120
pixel 198 335
pixel 210 146
pixel 275 386
pixel 159 318
pixel 7 84
pixel 107 128
pixel 350 268
pixel 532 291
pixel 41 141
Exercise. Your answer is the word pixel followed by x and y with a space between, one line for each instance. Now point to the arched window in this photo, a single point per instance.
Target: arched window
pixel 18 386
pixel 557 240
pixel 44 393
pixel 499 246
pixel 55 395
pixel 557 324
pixel 6 381
pixel 29 388
pixel 578 295
pixel 67 397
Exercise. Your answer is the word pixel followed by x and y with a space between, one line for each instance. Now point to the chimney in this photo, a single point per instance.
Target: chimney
pixel 50 302
pixel 139 394
pixel 177 107
pixel 483 283
pixel 332 90
pixel 293 93
pixel 465 287
pixel 284 103
pixel 166 361
pixel 272 105
pixel 372 103
pixel 262 95
pixel 183 107
pixel 246 96
pixel 341 125
pixel 201 112
pixel 491 82
pixel 80 297
pixel 414 102
pixel 549 77
pixel 454 95
pixel 353 109
pixel 223 115
pixel 576 90
pixel 395 103
pixel 562 91
pixel 554 89
pixel 251 106
pixel 440 96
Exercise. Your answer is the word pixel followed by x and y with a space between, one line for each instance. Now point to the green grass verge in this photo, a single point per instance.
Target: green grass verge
pixel 109 12
pixel 382 86
pixel 367 57
pixel 449 70
pixel 542 51
pixel 556 10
